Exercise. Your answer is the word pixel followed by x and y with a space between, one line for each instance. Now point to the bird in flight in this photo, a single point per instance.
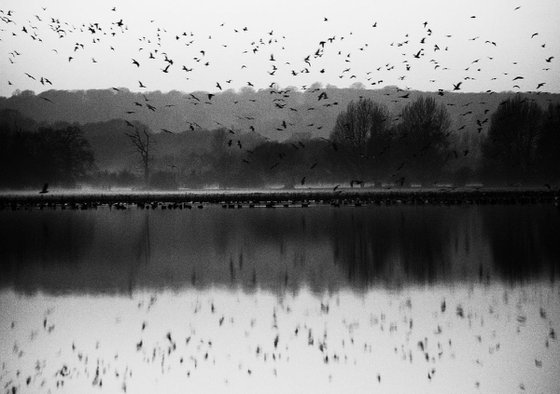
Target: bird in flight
pixel 45 189
pixel 457 86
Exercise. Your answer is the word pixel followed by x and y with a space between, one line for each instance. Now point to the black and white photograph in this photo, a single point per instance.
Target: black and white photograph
pixel 291 196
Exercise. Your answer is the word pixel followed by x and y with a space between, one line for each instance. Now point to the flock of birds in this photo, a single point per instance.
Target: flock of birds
pixel 155 46
pixel 152 48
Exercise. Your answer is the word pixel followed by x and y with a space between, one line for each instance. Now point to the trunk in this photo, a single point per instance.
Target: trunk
pixel 146 172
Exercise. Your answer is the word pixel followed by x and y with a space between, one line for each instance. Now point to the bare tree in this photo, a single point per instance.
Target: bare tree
pixel 422 137
pixel 362 130
pixel 511 146
pixel 142 144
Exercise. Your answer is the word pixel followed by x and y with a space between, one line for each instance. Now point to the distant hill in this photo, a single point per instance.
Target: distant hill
pixel 274 114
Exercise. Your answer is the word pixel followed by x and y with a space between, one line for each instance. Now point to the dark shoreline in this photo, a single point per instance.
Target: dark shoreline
pixel 272 198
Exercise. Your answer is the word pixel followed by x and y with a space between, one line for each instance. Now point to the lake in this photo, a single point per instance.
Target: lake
pixel 460 298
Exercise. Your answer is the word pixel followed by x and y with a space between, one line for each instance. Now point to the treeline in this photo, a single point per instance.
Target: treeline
pixel 523 143
pixel 60 156
pixel 371 145
pixel 368 145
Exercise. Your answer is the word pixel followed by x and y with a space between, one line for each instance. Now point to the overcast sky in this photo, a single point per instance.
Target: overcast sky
pixel 482 44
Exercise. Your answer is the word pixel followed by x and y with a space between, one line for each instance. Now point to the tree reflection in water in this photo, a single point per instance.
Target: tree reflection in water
pixel 322 248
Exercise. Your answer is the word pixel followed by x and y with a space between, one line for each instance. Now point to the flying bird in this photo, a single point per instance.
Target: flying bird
pixel 45 189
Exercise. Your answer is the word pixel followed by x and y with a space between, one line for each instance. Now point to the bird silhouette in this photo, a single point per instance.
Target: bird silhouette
pixel 45 189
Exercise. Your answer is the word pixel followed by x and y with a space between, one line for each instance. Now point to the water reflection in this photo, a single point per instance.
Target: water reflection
pixel 323 248
pixel 524 241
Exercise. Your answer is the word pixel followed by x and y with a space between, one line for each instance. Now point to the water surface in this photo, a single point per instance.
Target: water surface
pixel 323 248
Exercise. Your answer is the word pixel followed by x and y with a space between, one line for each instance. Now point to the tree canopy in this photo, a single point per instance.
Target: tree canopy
pixel 510 148
pixel 423 136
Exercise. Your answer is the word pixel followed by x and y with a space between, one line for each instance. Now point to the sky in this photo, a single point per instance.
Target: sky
pixel 218 45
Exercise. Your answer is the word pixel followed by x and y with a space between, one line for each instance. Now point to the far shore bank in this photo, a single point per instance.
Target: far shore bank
pixel 283 197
